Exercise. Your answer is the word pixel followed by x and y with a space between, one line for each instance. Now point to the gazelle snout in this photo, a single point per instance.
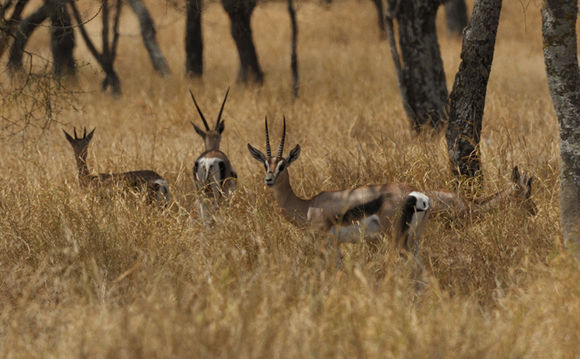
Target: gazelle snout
pixel 269 179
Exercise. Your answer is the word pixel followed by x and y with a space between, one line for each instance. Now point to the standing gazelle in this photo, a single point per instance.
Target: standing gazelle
pixel 213 174
pixel 156 187
pixel 345 213
pixel 375 207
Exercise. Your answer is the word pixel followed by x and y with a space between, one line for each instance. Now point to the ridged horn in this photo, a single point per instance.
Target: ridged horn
pixel 199 110
pixel 268 151
pixel 217 122
pixel 281 149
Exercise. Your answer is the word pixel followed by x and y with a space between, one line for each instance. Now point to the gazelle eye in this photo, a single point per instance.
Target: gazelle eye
pixel 281 167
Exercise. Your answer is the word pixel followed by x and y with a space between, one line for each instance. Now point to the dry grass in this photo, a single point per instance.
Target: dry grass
pixel 83 275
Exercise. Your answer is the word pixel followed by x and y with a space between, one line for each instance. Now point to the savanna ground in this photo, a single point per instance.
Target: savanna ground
pixel 90 276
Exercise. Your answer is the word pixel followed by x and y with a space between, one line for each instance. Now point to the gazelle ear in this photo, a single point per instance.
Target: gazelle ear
pixel 257 154
pixel 294 154
pixel 221 127
pixel 198 130
pixel 516 175
pixel 68 137
pixel 90 135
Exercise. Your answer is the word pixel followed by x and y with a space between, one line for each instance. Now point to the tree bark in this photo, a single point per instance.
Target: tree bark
pixel 240 13
pixel 421 76
pixel 193 39
pixel 467 99
pixel 456 16
pixel 148 33
pixel 560 55
pixel 62 39
pixel 26 28
pixel 8 26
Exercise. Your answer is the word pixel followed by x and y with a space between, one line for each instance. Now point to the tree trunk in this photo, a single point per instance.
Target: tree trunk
pixel 560 55
pixel 193 39
pixel 240 13
pixel 422 78
pixel 149 37
pixel 293 55
pixel 8 26
pixel 380 15
pixel 456 17
pixel 62 39
pixel 26 28
pixel 467 99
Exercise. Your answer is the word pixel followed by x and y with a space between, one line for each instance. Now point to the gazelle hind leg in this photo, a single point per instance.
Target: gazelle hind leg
pixel 414 215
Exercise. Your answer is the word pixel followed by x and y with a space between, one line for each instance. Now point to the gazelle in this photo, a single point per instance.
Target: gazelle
pixel 157 188
pixel 345 213
pixel 375 207
pixel 213 173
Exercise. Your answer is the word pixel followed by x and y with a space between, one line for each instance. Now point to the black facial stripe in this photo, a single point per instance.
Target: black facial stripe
pixel 360 211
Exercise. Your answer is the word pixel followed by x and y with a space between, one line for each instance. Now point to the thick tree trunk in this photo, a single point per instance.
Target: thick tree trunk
pixel 467 99
pixel 193 39
pixel 26 28
pixel 380 15
pixel 560 55
pixel 456 16
pixel 240 13
pixel 421 76
pixel 62 39
pixel 149 37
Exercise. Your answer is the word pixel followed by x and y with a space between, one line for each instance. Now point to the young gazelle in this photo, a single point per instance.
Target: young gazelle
pixel 374 206
pixel 213 174
pixel 157 188
pixel 345 213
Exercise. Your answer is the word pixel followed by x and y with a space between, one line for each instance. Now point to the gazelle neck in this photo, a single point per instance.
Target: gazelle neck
pixel 294 208
pixel 82 168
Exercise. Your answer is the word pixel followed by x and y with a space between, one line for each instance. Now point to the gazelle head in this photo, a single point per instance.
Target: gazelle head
pixel 523 191
pixel 80 144
pixel 213 137
pixel 276 166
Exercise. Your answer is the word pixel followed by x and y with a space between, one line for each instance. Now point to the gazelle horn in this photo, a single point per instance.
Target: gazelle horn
pixel 199 110
pixel 217 122
pixel 268 151
pixel 281 149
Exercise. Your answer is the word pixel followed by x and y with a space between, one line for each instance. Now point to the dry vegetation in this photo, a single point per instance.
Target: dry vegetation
pixel 85 275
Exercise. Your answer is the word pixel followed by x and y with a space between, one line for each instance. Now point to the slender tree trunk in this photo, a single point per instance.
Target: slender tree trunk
pixel 421 75
pixel 26 28
pixel 62 39
pixel 193 39
pixel 456 16
pixel 8 26
pixel 240 13
pixel 148 33
pixel 294 55
pixel 380 15
pixel 560 55
pixel 467 99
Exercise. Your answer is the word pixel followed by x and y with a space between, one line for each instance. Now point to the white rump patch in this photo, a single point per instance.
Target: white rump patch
pixel 208 169
pixel 163 196
pixel 422 200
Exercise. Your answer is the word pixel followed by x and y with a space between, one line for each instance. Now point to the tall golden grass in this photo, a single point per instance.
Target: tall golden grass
pixel 86 275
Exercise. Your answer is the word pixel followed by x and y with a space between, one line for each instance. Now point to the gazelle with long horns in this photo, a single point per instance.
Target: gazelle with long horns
pixel 345 213
pixel 213 173
pixel 157 188
pixel 373 208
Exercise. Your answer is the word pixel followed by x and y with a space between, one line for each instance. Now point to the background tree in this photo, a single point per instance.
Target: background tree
pixel 560 55
pixel 148 33
pixel 25 28
pixel 105 58
pixel 467 99
pixel 456 16
pixel 293 55
pixel 8 25
pixel 240 14
pixel 193 38
pixel 62 38
pixel 421 77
